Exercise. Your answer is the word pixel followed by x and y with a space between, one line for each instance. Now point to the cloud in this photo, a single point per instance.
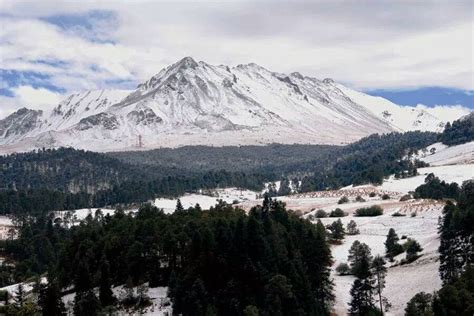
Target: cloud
pixel 32 98
pixel 365 44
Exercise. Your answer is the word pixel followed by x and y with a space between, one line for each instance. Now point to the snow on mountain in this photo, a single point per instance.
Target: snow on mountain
pixel 190 103
pixel 406 118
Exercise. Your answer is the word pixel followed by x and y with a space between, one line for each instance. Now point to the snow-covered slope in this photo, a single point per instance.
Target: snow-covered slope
pixel 406 118
pixel 193 102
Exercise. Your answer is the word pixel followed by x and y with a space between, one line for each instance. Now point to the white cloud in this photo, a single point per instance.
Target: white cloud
pixel 29 97
pixel 446 112
pixel 366 45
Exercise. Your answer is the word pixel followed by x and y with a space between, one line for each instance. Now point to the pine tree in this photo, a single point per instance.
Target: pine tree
pixel 179 206
pixel 392 247
pixel 106 296
pixel 362 302
pixel 419 305
pixel 379 271
pixel 352 228
pixel 86 304
pixel 50 301
pixel 360 258
pixel 20 295
pixel 337 230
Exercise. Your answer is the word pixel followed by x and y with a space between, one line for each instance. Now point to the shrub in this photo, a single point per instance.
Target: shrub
pixel 343 200
pixel 406 197
pixel 396 214
pixel 337 230
pixel 403 237
pixel 352 228
pixel 360 199
pixel 372 194
pixel 413 214
pixel 412 247
pixel 337 213
pixel 374 210
pixel 321 214
pixel 343 269
pixel 385 197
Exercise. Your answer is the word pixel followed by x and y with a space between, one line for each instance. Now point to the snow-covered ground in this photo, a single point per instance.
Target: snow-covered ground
pixel 161 304
pixel 448 173
pixel 403 282
pixel 444 155
pixel 229 195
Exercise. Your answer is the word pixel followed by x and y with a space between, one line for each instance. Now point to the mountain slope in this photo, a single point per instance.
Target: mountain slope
pixel 195 103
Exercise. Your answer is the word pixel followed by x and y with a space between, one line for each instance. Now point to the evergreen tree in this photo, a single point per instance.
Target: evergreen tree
pixel 49 299
pixel 20 295
pixel 337 230
pixel 362 302
pixel 106 295
pixel 412 249
pixel 86 304
pixel 179 206
pixel 379 271
pixel 419 305
pixel 352 228
pixel 392 247
pixel 359 259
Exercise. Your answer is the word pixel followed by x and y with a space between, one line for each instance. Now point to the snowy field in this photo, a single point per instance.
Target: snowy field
pixel 229 195
pixel 448 173
pixel 444 155
pixel 421 275
pixel 160 302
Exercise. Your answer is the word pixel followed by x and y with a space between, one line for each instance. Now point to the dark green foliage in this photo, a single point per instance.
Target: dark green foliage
pixel 360 259
pixel 412 247
pixel 219 261
pixel 321 214
pixel 337 213
pixel 436 189
pixel 398 214
pixel 337 230
pixel 460 132
pixel 352 228
pixel 406 197
pixel 380 271
pixel 374 210
pixel 360 199
pixel 419 305
pixel 385 197
pixel 392 247
pixel 372 194
pixel 65 178
pixel 343 269
pixel 369 160
pixel 457 234
pixel 343 200
pixel 456 298
pixel 86 304
pixel 362 301
pixel 106 295
pixel 49 299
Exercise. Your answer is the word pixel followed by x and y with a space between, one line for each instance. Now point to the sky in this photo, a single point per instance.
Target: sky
pixel 411 52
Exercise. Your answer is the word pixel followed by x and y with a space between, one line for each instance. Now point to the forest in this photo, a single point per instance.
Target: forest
pixel 66 178
pixel 270 261
pixel 459 132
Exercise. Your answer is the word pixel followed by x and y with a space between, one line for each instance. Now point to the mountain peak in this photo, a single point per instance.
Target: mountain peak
pixel 186 62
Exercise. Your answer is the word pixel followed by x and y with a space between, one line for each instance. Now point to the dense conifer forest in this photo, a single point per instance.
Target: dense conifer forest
pixel 67 178
pixel 459 132
pixel 269 260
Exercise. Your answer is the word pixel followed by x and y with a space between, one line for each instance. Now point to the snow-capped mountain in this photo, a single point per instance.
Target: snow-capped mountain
pixel 191 103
